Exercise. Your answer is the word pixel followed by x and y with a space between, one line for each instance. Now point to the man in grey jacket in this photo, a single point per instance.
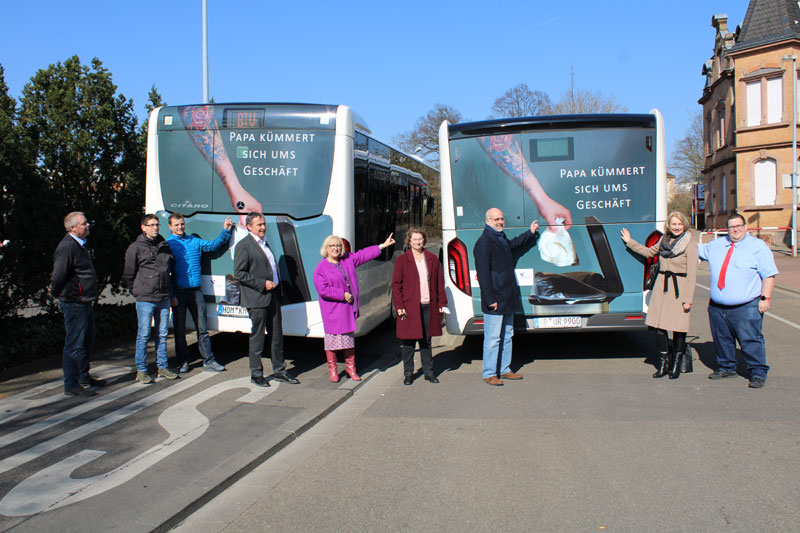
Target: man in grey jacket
pixel 148 265
pixel 256 268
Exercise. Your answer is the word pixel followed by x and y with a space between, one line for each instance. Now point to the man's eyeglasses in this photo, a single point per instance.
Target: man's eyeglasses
pixel 153 225
pixel 737 227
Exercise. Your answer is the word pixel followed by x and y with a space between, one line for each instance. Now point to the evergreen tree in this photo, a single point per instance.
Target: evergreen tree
pixel 83 152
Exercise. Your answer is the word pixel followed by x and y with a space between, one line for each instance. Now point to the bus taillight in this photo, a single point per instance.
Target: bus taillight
pixel 346 245
pixel 458 263
pixel 650 241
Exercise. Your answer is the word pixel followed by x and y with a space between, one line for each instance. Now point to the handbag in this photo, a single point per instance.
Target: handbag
pixel 651 279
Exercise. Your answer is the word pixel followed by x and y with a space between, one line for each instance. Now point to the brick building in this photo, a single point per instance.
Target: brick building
pixel 747 117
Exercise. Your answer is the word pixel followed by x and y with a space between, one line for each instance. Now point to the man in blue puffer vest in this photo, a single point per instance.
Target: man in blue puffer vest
pixel 187 249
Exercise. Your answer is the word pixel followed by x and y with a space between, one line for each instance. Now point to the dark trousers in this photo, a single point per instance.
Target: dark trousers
pixel 266 319
pixel 194 301
pixel 78 342
pixel 742 323
pixel 425 354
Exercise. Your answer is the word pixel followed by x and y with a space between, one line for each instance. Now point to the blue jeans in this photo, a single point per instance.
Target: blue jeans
pixel 497 333
pixel 158 312
pixel 78 341
pixel 742 323
pixel 194 301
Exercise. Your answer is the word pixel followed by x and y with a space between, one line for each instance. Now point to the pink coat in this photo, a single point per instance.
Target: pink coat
pixel 339 316
pixel 405 295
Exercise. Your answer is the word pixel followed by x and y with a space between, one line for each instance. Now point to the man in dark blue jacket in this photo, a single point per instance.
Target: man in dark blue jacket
pixel 495 257
pixel 187 251
pixel 147 273
pixel 74 284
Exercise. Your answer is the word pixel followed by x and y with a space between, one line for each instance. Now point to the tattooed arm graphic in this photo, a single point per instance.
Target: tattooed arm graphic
pixel 209 142
pixel 505 152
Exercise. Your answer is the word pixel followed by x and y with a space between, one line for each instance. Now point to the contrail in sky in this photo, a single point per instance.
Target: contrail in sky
pixel 548 21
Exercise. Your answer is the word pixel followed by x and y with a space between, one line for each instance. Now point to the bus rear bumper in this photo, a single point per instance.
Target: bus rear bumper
pixel 601 322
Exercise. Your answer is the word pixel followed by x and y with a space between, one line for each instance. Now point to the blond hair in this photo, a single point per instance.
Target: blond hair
pixel 680 216
pixel 330 239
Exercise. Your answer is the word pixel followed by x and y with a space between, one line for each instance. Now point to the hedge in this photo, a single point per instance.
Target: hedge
pixel 25 339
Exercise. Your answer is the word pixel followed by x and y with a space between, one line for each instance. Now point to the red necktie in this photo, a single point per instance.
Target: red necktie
pixel 721 280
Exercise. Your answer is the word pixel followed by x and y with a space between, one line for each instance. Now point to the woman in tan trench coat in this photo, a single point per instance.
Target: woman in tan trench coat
pixel 671 299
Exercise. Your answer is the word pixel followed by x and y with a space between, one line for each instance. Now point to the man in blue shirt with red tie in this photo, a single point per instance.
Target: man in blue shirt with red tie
pixel 742 278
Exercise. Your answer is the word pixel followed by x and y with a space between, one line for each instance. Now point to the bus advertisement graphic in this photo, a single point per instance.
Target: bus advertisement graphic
pixel 582 186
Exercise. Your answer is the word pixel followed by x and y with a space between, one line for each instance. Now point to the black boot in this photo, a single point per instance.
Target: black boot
pixel 679 347
pixel 675 367
pixel 663 365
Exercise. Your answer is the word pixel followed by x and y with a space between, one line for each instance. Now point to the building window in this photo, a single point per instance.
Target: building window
pixel 710 199
pixel 709 134
pixel 770 109
pixel 765 182
pixel 774 100
pixel 723 195
pixel 754 103
pixel 721 127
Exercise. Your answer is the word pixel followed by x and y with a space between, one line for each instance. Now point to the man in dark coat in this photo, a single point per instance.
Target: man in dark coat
pixel 74 284
pixel 148 275
pixel 495 257
pixel 256 268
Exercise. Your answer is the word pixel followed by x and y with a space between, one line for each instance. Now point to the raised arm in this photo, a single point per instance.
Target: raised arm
pixel 505 152
pixel 208 141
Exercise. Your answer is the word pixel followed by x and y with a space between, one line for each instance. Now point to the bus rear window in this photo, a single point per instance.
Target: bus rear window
pixel 208 168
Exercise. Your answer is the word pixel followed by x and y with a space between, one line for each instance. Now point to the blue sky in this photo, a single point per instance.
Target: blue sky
pixel 391 61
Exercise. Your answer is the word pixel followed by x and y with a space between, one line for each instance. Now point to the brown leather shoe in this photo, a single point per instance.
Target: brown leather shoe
pixel 511 375
pixel 493 381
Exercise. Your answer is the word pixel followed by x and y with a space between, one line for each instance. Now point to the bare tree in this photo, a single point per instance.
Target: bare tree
pixel 423 140
pixel 688 159
pixel 577 100
pixel 520 101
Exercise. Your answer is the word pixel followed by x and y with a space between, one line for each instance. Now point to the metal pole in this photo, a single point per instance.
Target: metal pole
pixel 205 51
pixel 794 155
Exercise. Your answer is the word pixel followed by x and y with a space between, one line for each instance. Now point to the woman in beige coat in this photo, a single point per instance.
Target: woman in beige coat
pixel 671 299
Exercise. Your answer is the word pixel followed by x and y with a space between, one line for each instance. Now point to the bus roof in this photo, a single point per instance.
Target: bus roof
pixel 546 122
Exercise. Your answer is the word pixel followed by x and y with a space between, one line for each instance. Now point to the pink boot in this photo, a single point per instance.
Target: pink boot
pixel 332 370
pixel 350 364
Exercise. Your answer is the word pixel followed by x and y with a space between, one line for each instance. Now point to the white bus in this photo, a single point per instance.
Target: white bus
pixel 313 170
pixel 583 177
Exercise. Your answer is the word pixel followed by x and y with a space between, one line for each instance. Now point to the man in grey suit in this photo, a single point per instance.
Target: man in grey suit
pixel 256 268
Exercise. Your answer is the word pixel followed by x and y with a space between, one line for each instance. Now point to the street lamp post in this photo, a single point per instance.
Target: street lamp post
pixel 793 59
pixel 205 51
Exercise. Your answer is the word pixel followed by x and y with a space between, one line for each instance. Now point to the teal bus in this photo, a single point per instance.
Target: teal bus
pixel 312 170
pixel 584 178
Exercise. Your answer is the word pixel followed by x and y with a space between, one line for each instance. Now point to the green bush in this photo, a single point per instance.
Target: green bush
pixel 29 338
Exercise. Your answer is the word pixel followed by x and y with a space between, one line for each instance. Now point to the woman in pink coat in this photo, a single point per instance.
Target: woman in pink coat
pixel 337 285
pixel 418 295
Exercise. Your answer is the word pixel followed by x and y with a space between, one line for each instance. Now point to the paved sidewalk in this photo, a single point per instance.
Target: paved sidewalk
pixel 788 268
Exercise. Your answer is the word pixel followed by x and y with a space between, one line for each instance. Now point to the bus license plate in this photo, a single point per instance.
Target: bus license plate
pixel 231 310
pixel 547 322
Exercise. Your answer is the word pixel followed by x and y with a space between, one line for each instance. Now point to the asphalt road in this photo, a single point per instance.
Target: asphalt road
pixel 587 441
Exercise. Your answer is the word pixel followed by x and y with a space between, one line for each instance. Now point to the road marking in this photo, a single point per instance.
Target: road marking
pixel 54 487
pixel 14 406
pixel 776 317
pixel 65 438
pixel 64 416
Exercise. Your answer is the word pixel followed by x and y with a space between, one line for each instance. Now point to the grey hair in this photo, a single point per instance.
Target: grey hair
pixel 72 219
pixel 251 216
